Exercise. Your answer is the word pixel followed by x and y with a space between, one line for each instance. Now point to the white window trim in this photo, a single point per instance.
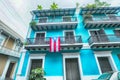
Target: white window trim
pixel 92 30
pixel 10 59
pixel 105 54
pixel 69 31
pixel 40 32
pixel 34 56
pixel 72 55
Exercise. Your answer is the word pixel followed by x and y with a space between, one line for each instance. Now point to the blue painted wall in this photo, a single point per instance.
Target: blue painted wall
pixel 25 63
pixel 18 66
pixel 115 52
pixel 80 30
pixel 89 65
pixel 53 64
pixel 54 61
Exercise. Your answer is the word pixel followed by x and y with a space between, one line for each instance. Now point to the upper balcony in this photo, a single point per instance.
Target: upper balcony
pixel 42 44
pixel 104 42
pixel 100 10
pixel 107 21
pixel 10 52
pixel 54 19
pixel 65 22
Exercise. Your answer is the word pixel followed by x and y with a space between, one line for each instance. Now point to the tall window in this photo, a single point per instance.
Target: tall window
pixel 36 63
pixel 99 36
pixel 40 38
pixel 104 64
pixel 117 33
pixel 69 37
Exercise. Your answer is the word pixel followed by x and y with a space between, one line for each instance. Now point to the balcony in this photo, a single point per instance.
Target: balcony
pixel 100 10
pixel 55 23
pixel 102 22
pixel 104 42
pixel 42 44
pixel 10 52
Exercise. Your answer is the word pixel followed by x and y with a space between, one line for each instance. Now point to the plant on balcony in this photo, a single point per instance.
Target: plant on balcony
pixel 97 4
pixel 39 7
pixel 37 74
pixel 25 43
pixel 54 6
pixel 32 23
pixel 77 5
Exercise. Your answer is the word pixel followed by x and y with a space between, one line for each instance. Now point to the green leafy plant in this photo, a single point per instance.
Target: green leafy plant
pixel 25 43
pixel 33 23
pixel 54 6
pixel 39 7
pixel 77 5
pixel 37 74
pixel 97 4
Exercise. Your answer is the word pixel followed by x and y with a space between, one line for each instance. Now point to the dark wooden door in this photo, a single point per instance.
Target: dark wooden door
pixel 104 64
pixel 72 69
pixel 9 71
pixel 36 63
pixel 103 36
pixel 99 36
pixel 40 38
pixel 69 37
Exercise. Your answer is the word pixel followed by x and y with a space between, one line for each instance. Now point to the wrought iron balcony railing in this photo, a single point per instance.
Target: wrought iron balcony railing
pixel 104 39
pixel 52 20
pixel 45 41
pixel 102 19
pixel 7 51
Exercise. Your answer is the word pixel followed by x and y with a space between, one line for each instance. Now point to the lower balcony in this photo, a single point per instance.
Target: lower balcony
pixel 104 42
pixel 9 52
pixel 43 44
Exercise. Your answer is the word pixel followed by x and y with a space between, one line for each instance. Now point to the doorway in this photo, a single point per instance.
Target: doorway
pixel 72 69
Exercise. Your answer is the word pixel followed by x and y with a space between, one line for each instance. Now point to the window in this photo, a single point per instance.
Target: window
pixel 104 64
pixel 36 63
pixel 100 17
pixel 43 20
pixel 117 33
pixel 66 18
pixel 40 38
pixel 99 36
pixel 69 37
pixel 10 71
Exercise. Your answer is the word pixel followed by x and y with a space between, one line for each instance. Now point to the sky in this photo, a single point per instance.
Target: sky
pixel 19 12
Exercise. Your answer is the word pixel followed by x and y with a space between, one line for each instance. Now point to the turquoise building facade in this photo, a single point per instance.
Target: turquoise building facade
pixel 89 43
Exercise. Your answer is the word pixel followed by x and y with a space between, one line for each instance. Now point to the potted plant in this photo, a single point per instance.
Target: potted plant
pixel 54 6
pixel 33 23
pixel 39 7
pixel 37 74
